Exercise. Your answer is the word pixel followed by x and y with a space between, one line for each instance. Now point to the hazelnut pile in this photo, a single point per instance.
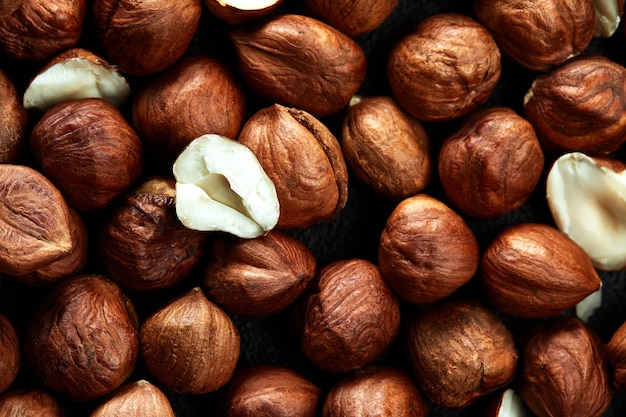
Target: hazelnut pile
pixel 317 209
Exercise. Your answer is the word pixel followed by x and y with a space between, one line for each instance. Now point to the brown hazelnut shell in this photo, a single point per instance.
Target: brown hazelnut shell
pixel 31 402
pixel 10 353
pixel 616 350
pixel 354 18
pixel 13 121
pixel 139 398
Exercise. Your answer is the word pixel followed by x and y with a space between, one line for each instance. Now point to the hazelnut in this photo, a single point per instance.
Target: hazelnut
pixel 533 270
pixel 300 62
pixel 190 345
pixel 7 7
pixel 459 351
pixel 271 391
pixel 82 340
pixel 426 250
pixel 348 316
pixel 386 148
pixel 608 17
pixel 564 370
pixel 579 106
pixel 88 150
pixel 444 68
pixel 140 398
pixel 491 164
pixel 13 121
pixel 197 95
pixel 352 17
pixel 616 351
pixel 313 186
pixel 32 402
pixel 237 12
pixel 146 37
pixel 257 277
pixel 539 34
pixel 375 390
pixel 10 354
pixel 507 403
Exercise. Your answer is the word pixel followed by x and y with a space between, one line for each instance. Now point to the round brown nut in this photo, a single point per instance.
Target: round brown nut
pixel 444 68
pixel 32 402
pixel 354 18
pixel 10 353
pixel 140 398
pixel 7 7
pixel 491 165
pixel 616 350
pixel 13 121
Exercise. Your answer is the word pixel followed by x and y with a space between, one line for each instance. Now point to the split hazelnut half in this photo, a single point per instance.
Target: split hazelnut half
pixel 608 17
pixel 236 12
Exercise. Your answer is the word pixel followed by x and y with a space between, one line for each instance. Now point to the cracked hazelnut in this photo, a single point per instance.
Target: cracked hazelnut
pixel 616 351
pixel 13 122
pixel 507 403
pixel 139 398
pixel 10 354
pixel 352 17
pixel 237 12
pixel 32 402
pixel 608 17
pixel 444 68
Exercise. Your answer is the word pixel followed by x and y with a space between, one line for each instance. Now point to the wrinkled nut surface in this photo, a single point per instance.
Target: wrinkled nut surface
pixel 7 7
pixel 347 317
pixel 352 17
pixel 453 370
pixel 32 402
pixel 10 354
pixel 221 186
pixel 34 220
pixel 444 68
pixel 374 390
pixel 586 198
pixel 533 270
pixel 74 74
pixel 386 148
pixel 190 345
pixel 616 351
pixel 139 398
pixel 564 370
pixel 426 250
pixel 82 340
pixel 271 391
pixel 539 34
pixel 608 17
pixel 491 164
pixel 13 121
pixel 313 186
pixel 300 62
pixel 257 277
pixel 237 12
pixel 579 106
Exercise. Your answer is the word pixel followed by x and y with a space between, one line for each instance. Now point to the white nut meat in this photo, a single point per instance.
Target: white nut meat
pixel 510 405
pixel 608 17
pixel 220 186
pixel 589 305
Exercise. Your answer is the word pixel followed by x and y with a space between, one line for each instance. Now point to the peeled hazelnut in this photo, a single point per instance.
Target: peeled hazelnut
pixel 257 277
pixel 140 398
pixel 354 18
pixel 38 30
pixel 10 354
pixel 271 391
pixel 197 95
pixel 300 62
pixel 579 106
pixel 507 403
pixel 30 403
pixel 586 308
pixel 444 68
pixel 190 345
pixel 460 351
pixel 221 186
pixel 386 148
pixel 35 220
pixel 313 186
pixel 608 17
pixel 491 164
pixel 145 37
pixel 374 390
pixel 538 34
pixel 13 122
pixel 88 150
pixel 426 250
pixel 82 341
pixel 236 12
pixel 616 351
pixel 564 370
pixel 347 318
pixel 533 270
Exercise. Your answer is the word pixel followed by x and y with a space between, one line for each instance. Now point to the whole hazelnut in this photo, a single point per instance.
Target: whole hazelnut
pixel 13 121
pixel 491 164
pixel 88 150
pixel 32 402
pixel 352 17
pixel 82 340
pixel 444 68
pixel 459 351
pixel 190 345
pixel 237 12
pixel 10 353
pixel 348 316
pixel 139 398
pixel 616 351
pixel 386 148
pixel 426 250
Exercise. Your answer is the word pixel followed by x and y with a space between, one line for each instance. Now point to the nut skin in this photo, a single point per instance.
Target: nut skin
pixel 37 31
pixel 616 351
pixel 32 402
pixel 269 390
pixel 454 371
pixel 7 7
pixel 385 147
pixel 142 244
pixel 444 68
pixel 426 250
pixel 352 17
pixel 139 398
pixel 10 354
pixel 375 390
pixel 238 16
pixel 88 150
pixel 347 317
pixel 82 341
pixel 300 62
pixel 197 95
pixel 313 187
pixel 190 345
pixel 579 106
pixel 13 121
pixel 564 370
pixel 491 165
pixel 538 34
pixel 257 277
pixel 533 270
